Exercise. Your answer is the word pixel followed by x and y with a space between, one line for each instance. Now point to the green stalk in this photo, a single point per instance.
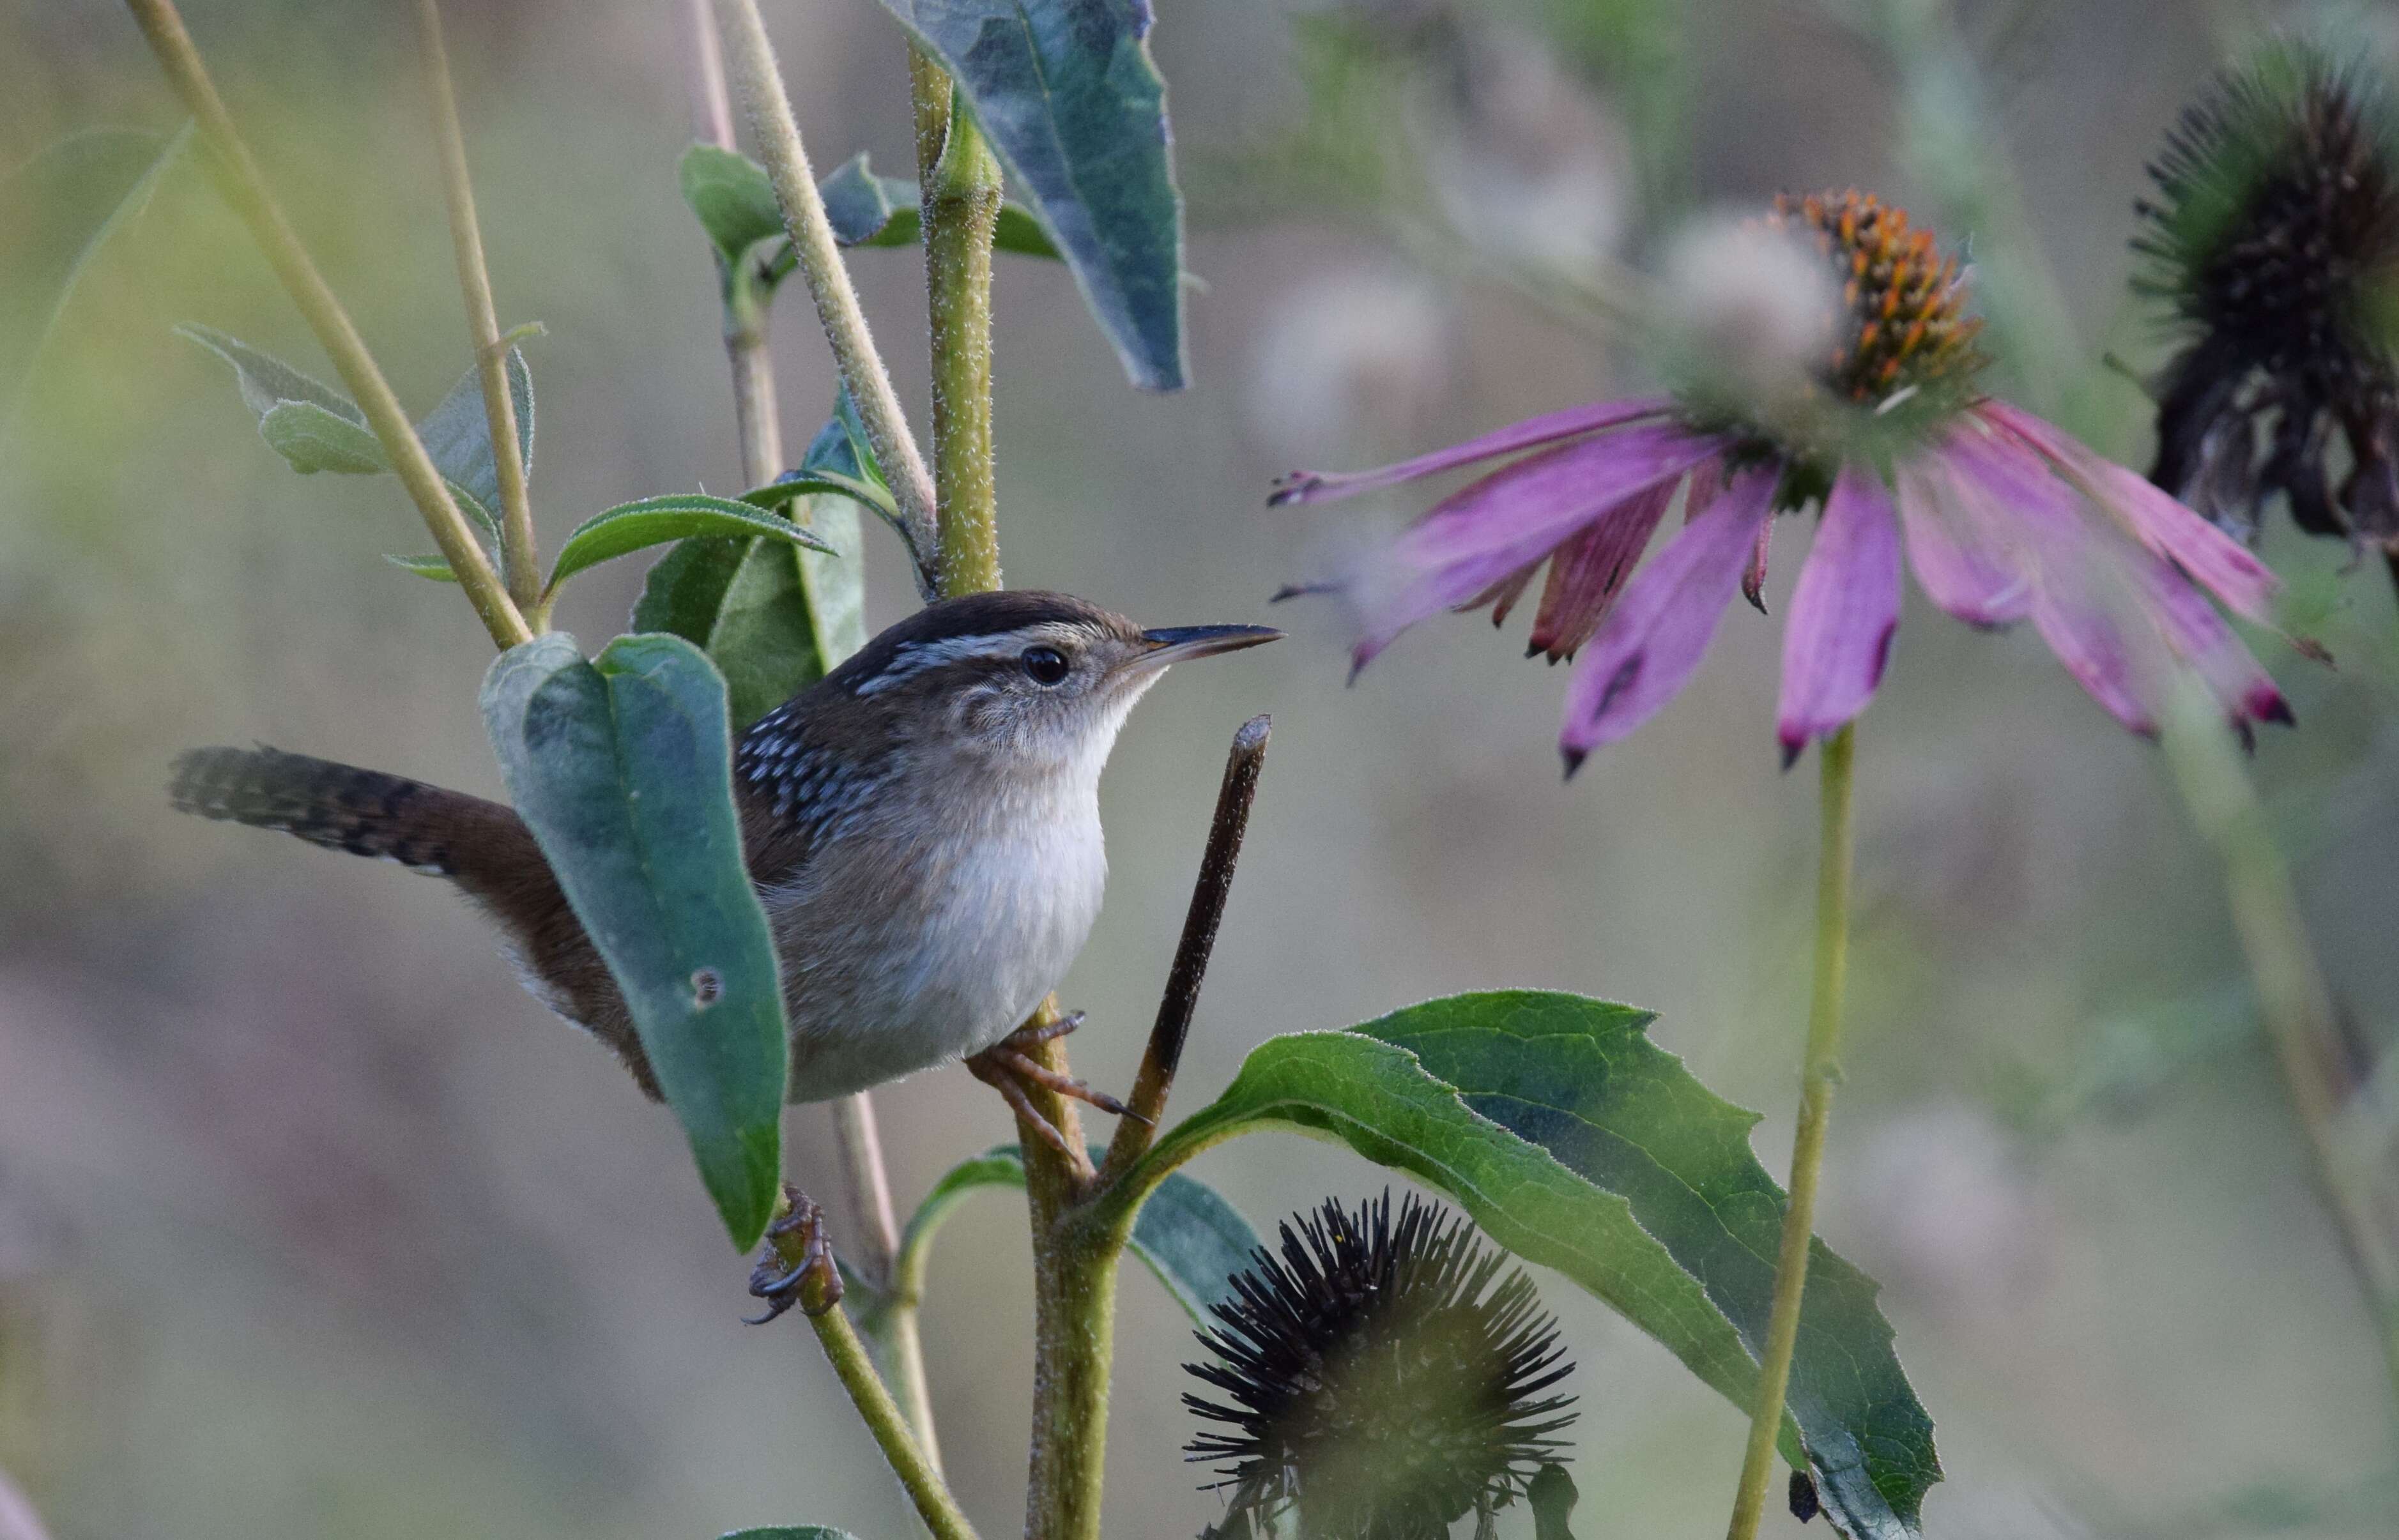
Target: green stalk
pixel 244 186
pixel 1820 1073
pixel 2291 996
pixel 520 560
pixel 961 211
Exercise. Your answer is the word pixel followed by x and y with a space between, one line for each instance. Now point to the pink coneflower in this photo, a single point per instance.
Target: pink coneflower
pixel 2004 519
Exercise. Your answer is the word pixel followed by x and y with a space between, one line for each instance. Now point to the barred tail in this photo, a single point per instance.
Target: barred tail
pixel 339 807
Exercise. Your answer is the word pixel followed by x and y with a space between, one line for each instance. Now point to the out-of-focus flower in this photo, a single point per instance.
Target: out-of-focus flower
pixel 1356 355
pixel 1380 1386
pixel 2275 240
pixel 2005 518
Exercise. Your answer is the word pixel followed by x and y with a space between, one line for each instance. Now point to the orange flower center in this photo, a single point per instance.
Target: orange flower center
pixel 1905 327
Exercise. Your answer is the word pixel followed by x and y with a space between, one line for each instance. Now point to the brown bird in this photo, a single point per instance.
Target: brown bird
pixel 921 826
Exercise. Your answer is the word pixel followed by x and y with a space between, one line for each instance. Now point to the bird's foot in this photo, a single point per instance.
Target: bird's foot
pixel 1008 1066
pixel 795 1265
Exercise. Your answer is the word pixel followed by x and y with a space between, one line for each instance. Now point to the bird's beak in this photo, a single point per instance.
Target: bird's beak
pixel 1180 643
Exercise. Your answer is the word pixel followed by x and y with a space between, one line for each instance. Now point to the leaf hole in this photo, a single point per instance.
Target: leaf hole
pixel 705 987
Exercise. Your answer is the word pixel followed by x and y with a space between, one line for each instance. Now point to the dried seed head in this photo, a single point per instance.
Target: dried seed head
pixel 1382 1379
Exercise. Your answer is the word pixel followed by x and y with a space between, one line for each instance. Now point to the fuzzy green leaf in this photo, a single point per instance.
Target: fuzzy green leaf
pixel 1190 1239
pixel 866 209
pixel 59 208
pixel 634 526
pixel 313 437
pixel 1075 110
pixel 732 197
pixel 774 618
pixel 457 432
pixel 622 768
pixel 431 567
pixel 1578 1144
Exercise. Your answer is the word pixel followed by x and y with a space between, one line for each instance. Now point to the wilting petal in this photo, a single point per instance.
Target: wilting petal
pixel 1501 596
pixel 1307 486
pixel 1842 614
pixel 2091 645
pixel 1649 647
pixel 1963 570
pixel 1483 535
pixel 1588 570
pixel 2213 558
pixel 1753 576
pixel 2201 638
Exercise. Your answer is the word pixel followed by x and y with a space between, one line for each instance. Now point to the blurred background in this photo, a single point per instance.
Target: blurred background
pixel 312 1223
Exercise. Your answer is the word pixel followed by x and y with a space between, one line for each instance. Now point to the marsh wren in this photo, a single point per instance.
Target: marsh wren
pixel 921 826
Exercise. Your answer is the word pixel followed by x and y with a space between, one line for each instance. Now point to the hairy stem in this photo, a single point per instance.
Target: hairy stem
pixel 960 209
pixel 797 1242
pixel 2297 1004
pixel 1820 1073
pixel 755 80
pixel 245 187
pixel 762 460
pixel 520 558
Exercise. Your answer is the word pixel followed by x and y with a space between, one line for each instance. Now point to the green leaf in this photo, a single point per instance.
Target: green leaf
pixel 59 208
pixel 1576 1143
pixel 732 197
pixel 622 768
pixel 774 618
pixel 1581 1079
pixel 789 1531
pixel 433 567
pixel 457 432
pixel 630 527
pixel 1192 1240
pixel 866 209
pixel 1075 110
pixel 315 428
pixel 313 437
pixel 793 485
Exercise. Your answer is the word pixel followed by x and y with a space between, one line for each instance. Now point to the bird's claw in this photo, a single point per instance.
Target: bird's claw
pixel 812 1281
pixel 1008 1067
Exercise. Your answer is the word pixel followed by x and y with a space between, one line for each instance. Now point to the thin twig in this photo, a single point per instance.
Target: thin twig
pixel 755 80
pixel 520 561
pixel 811 1280
pixel 1243 765
pixel 245 187
pixel 703 62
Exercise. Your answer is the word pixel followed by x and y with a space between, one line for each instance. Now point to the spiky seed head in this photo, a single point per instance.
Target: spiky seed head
pixel 1381 1378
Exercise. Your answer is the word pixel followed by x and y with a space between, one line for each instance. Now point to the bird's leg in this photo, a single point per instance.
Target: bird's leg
pixel 1006 1065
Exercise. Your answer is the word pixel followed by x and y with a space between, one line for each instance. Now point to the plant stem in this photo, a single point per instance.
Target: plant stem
pixel 520 560
pixel 960 209
pixel 797 1238
pixel 751 58
pixel 760 433
pixel 245 187
pixel 2297 1004
pixel 1820 1073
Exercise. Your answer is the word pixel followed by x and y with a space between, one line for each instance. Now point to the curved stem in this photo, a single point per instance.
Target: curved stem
pixel 245 187
pixel 1820 1073
pixel 520 562
pixel 751 58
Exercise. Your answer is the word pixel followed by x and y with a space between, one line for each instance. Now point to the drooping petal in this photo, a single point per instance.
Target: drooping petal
pixel 1307 486
pixel 1950 543
pixel 2087 640
pixel 1588 571
pixel 1649 647
pixel 1753 576
pixel 2200 637
pixel 1482 535
pixel 2220 563
pixel 1843 613
pixel 1500 596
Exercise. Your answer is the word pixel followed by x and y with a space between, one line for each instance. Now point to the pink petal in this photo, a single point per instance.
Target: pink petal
pixel 1590 571
pixel 2092 649
pixel 1482 535
pixel 2213 558
pixel 2201 639
pixel 1951 544
pixel 1307 486
pixel 1842 614
pixel 1501 596
pixel 1753 577
pixel 1649 647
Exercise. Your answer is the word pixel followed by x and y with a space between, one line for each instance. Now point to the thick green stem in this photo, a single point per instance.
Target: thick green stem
pixel 245 187
pixel 1820 1073
pixel 520 558
pixel 2294 1000
pixel 760 88
pixel 960 211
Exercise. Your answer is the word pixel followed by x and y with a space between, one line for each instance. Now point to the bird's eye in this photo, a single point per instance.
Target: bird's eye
pixel 1045 665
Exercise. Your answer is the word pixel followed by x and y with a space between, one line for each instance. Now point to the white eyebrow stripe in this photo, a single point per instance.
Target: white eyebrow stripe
pixel 914 657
